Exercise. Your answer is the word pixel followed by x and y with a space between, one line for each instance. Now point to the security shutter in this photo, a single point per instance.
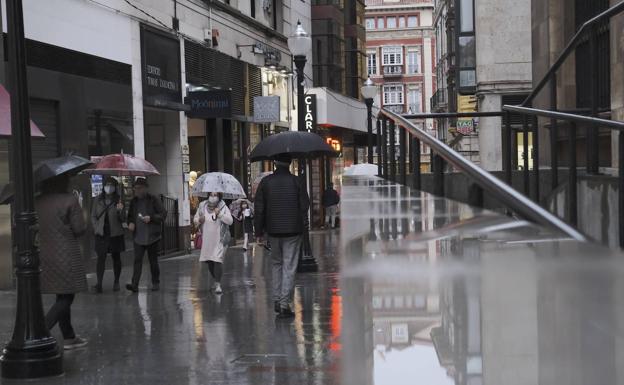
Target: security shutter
pixel 45 115
pixel 255 84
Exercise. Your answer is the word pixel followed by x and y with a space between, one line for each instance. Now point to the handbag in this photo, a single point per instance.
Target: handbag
pixel 199 240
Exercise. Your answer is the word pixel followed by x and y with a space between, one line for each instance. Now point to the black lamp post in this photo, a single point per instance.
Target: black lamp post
pixel 299 45
pixel 32 351
pixel 369 90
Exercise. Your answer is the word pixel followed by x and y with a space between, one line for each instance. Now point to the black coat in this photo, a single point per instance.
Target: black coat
pixel 330 197
pixel 155 211
pixel 281 205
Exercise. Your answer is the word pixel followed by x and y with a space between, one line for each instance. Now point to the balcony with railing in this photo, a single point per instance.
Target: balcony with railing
pixel 392 71
pixel 396 108
pixel 439 100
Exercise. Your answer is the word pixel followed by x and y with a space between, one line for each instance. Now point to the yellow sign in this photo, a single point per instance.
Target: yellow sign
pixel 466 103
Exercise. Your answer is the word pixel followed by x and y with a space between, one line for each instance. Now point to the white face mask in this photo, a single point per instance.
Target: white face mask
pixel 213 199
pixel 109 189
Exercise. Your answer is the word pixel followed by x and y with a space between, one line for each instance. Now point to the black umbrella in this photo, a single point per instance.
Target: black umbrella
pixel 48 169
pixel 299 144
pixel 64 165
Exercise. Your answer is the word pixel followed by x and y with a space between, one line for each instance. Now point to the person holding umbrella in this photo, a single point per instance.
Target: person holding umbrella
pixel 145 217
pixel 107 219
pixel 61 224
pixel 281 206
pixel 215 219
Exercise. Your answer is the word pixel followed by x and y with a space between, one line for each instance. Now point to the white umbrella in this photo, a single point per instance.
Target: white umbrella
pixel 361 169
pixel 218 182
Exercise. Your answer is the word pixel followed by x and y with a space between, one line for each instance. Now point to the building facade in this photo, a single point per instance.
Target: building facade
pixel 159 91
pixel 400 56
pixel 482 64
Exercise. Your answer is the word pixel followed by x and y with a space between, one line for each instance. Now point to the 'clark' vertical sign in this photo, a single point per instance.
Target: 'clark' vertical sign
pixel 309 119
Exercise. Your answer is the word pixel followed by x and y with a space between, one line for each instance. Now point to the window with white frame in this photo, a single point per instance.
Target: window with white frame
pixel 381 23
pixel 392 22
pixel 372 63
pixel 414 99
pixel 393 94
pixel 370 23
pixel 392 55
pixel 412 21
pixel 401 21
pixel 413 60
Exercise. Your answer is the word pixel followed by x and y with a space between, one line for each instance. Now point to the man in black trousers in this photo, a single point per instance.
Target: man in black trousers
pixel 145 217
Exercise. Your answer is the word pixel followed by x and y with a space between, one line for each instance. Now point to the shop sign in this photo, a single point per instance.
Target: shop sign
pixel 334 143
pixel 266 109
pixel 161 70
pixel 309 119
pixel 186 168
pixel 209 104
pixel 465 126
pixel 97 185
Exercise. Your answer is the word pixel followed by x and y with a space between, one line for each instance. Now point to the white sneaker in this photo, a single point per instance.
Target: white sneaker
pixel 74 343
pixel 218 289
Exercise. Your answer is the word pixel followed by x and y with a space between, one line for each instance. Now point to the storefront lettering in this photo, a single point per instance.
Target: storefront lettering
pixel 310 112
pixel 210 104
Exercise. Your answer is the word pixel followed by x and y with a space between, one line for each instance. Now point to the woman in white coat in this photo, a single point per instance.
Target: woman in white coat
pixel 214 219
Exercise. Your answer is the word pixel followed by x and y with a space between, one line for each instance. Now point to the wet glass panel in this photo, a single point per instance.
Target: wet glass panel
pixel 467 57
pixel 466 15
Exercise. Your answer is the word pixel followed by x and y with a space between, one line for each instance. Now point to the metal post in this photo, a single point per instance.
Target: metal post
pixel 416 163
pixel 306 259
pixel 438 174
pixel 621 186
pixel 392 155
pixel 379 157
pixel 507 149
pixel 403 155
pixel 592 130
pixel 535 154
pixel 32 351
pixel 572 204
pixel 369 126
pixel 554 165
pixel 525 151
pixel 384 143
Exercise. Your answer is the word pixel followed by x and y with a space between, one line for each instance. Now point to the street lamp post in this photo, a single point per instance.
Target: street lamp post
pixel 299 45
pixel 369 90
pixel 32 351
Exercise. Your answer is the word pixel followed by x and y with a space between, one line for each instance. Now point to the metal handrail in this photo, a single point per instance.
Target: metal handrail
pixel 609 13
pixel 613 124
pixel 507 195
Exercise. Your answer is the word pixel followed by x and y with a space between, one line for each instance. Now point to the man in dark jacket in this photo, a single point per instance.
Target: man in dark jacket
pixel 281 209
pixel 145 217
pixel 330 202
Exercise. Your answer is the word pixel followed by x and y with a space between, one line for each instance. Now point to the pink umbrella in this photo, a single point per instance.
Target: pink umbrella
pixel 122 165
pixel 5 116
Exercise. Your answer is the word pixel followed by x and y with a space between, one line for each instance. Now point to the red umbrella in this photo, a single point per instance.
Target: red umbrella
pixel 5 116
pixel 122 165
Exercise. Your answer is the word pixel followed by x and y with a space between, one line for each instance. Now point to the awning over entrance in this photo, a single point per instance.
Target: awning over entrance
pixel 336 110
pixel 5 116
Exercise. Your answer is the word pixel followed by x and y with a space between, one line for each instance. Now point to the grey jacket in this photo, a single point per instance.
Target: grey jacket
pixel 60 225
pixel 98 216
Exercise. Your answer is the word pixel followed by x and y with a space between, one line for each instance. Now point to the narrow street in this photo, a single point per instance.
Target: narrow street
pixel 185 334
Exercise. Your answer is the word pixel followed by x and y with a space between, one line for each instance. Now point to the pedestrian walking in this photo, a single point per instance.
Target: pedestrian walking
pixel 145 218
pixel 330 201
pixel 246 217
pixel 107 219
pixel 215 219
pixel 61 224
pixel 281 206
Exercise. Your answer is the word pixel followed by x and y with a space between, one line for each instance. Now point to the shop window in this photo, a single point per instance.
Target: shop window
pixel 392 22
pixel 392 55
pixel 370 23
pixel 412 21
pixel 372 63
pixel 393 94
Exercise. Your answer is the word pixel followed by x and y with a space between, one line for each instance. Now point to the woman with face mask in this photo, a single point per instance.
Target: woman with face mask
pixel 246 216
pixel 107 218
pixel 214 219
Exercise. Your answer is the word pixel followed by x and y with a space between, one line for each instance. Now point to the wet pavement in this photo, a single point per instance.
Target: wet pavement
pixel 414 289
